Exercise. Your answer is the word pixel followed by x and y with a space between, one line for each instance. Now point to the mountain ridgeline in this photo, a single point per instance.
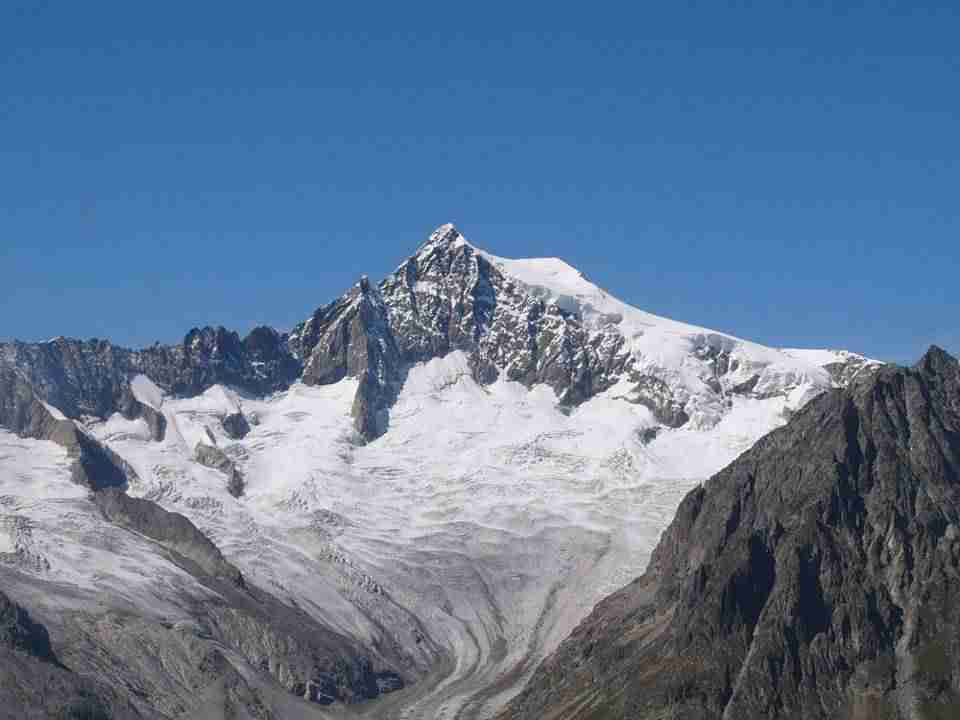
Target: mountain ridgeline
pixel 448 296
pixel 816 577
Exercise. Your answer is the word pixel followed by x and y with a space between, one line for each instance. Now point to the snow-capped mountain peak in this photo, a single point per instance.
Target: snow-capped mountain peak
pixel 445 470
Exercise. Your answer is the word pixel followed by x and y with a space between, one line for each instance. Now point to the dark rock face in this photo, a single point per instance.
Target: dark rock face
pixel 351 337
pixel 35 685
pixel 77 377
pixel 19 632
pixel 93 377
pixel 215 458
pixel 450 297
pixel 654 394
pixel 815 577
pixel 132 409
pixel 172 530
pixel 210 356
pixel 307 660
pixel 94 465
pixel 235 425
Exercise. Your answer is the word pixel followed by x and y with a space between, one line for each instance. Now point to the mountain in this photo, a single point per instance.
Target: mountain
pixel 403 504
pixel 814 577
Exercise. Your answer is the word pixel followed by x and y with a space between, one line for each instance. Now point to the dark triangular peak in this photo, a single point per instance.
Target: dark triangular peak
pixel 442 298
pixel 815 577
pixel 444 236
pixel 936 360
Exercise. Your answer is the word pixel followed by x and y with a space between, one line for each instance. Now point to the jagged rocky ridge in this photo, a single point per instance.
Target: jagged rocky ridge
pixel 816 577
pixel 92 377
pixel 448 296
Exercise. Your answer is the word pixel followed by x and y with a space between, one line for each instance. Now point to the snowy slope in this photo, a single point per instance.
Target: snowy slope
pixel 489 516
pixel 681 354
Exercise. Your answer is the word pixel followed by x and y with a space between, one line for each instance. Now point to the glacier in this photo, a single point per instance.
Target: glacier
pixel 473 531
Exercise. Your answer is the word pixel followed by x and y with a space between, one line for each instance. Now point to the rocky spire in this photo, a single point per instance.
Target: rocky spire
pixel 446 234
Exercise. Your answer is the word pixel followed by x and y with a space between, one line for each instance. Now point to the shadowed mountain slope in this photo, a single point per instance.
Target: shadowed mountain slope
pixel 817 576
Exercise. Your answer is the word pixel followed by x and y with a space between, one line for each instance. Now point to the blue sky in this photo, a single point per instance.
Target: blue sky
pixel 788 173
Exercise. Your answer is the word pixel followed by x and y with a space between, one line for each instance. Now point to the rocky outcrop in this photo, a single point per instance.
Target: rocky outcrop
pixel 307 660
pixel 214 457
pixel 94 465
pixel 814 577
pixel 656 395
pixel 133 409
pixel 172 530
pixel 351 337
pixel 19 632
pixel 850 367
pixel 235 425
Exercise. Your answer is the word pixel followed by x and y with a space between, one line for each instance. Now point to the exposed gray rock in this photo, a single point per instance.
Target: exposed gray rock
pixel 132 409
pixel 214 457
pixel 851 367
pixel 235 425
pixel 172 530
pixel 351 337
pixel 19 632
pixel 35 685
pixel 308 661
pixel 450 297
pixel 95 465
pixel 655 395
pixel 21 412
pixel 815 577
pixel 238 643
pixel 93 377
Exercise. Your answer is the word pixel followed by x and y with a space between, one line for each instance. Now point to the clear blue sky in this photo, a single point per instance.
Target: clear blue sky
pixel 788 173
